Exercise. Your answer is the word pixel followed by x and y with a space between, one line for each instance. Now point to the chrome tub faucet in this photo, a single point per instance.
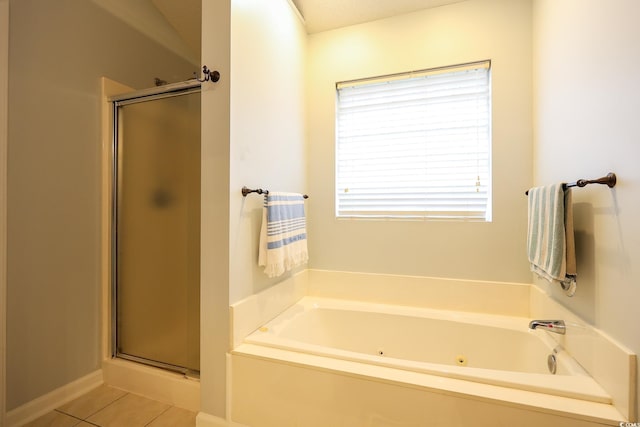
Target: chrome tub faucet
pixel 555 326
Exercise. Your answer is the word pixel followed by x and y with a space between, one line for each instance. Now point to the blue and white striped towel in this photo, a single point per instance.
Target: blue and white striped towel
pixel 550 238
pixel 283 235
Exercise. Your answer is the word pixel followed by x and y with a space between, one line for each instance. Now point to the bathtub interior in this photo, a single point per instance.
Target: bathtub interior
pixel 476 341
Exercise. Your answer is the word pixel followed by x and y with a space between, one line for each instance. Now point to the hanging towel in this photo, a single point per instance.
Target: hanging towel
pixel 283 235
pixel 550 238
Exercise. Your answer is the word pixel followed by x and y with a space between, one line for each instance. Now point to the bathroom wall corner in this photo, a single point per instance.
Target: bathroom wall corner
pixel 610 363
pixel 247 315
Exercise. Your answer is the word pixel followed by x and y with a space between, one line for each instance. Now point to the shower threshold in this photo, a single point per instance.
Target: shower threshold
pixel 186 372
pixel 166 386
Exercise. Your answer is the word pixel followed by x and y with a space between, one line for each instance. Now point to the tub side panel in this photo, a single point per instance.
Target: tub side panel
pixel 272 394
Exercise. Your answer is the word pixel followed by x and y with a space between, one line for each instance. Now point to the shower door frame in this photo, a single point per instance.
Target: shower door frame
pixel 145 95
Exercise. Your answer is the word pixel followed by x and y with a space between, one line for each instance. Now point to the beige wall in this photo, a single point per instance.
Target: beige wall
pixel 214 200
pixel 499 30
pixel 268 52
pixel 4 82
pixel 58 52
pixel 586 124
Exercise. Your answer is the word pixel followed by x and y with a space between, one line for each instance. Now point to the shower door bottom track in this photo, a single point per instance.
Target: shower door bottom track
pixel 186 372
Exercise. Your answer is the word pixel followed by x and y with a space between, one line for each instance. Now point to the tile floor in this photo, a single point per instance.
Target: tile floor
pixel 107 406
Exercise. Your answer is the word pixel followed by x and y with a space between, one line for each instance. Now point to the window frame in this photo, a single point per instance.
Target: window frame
pixel 477 215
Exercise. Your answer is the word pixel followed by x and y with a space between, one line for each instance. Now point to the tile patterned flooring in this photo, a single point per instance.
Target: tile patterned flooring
pixel 107 406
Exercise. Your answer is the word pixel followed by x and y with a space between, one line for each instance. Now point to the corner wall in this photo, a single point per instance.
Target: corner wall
pixel 499 30
pixel 214 203
pixel 586 124
pixel 253 134
pixel 268 132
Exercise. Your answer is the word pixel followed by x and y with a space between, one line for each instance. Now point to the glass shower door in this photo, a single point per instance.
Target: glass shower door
pixel 157 231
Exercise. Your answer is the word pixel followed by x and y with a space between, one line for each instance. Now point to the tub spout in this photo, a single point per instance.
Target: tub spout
pixel 555 326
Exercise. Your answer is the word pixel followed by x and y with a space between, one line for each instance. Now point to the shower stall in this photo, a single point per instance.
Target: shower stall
pixel 155 316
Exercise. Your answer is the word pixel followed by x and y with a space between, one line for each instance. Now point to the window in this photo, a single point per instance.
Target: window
pixel 415 145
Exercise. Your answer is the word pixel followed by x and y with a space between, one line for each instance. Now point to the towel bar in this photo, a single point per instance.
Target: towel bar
pixel 610 180
pixel 246 191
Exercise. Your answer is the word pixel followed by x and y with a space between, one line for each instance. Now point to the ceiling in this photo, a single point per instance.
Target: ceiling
pixel 323 15
pixel 176 24
pixel 319 15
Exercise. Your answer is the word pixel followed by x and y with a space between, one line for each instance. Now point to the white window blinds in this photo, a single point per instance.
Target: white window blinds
pixel 415 145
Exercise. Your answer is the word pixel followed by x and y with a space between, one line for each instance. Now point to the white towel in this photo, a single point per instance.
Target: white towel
pixel 283 235
pixel 550 238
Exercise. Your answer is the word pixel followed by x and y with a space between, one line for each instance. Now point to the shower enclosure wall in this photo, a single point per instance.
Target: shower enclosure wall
pixel 156 227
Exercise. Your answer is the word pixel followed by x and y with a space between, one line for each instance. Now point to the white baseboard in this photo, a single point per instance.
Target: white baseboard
pixel 206 420
pixel 54 399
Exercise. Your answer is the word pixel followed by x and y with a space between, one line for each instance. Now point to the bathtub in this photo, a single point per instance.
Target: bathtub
pixel 481 348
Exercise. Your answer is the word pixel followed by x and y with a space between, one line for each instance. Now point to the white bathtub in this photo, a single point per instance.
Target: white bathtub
pixel 481 348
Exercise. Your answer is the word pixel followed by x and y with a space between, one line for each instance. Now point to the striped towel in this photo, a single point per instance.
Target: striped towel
pixel 550 239
pixel 283 235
